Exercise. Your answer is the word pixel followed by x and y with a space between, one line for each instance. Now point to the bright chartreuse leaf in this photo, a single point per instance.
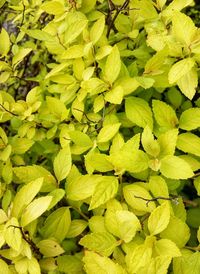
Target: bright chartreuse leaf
pixel 183 28
pixel 105 190
pixel 188 83
pixel 76 228
pixel 50 248
pixel 112 66
pixel 174 167
pixel 159 218
pixel 20 55
pixel 115 95
pixel 25 174
pixel 101 242
pixel 197 185
pixel 138 111
pixel 62 163
pixel 177 231
pixel 167 142
pixel 21 145
pixel 74 30
pixel 164 114
pixel 35 209
pixel 158 187
pixel 108 132
pixel 4 267
pixel 97 161
pixel 69 264
pixel 5 42
pixel 57 224
pixel 135 194
pixel 180 69
pixel 189 142
pixel 190 119
pixel 122 223
pixel 82 187
pixel 166 247
pixel 57 108
pixel 80 138
pixel 12 234
pixel 25 195
pixel 100 264
pixel 53 7
pixel 150 145
pixel 97 29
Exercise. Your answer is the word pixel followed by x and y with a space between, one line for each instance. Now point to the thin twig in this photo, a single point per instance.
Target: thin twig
pixel 80 212
pixel 8 110
pixel 173 198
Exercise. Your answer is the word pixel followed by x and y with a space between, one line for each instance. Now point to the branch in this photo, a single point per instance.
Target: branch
pixel 8 110
pixel 174 198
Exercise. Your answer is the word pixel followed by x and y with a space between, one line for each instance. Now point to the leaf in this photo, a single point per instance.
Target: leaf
pixel 53 7
pixel 35 209
pixel 5 42
pixel 25 195
pixel 190 119
pixel 12 234
pixel 122 223
pixel 197 185
pixel 69 264
pixel 115 95
pixel 180 69
pixel 74 30
pixel 150 145
pixel 76 51
pixel 30 173
pixel 158 187
pixel 105 190
pixel 4 267
pixel 159 219
pixel 57 108
pixel 198 234
pixel 19 56
pixel 57 224
pixel 188 83
pixel 56 70
pixel 113 65
pixel 176 225
pixel 76 228
pixel 101 242
pixel 167 142
pixel 80 138
pixel 166 247
pixel 174 167
pixel 94 262
pixel 183 28
pixel 131 161
pixel 108 132
pixel 57 195
pixel 164 114
pixel 133 195
pixel 40 35
pixel 21 145
pixel 138 111
pixel 62 163
pixel 98 162
pixel 82 187
pixel 50 248
pixel 189 142
pixel 97 30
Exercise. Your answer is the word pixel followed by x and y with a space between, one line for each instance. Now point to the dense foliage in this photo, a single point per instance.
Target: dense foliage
pixel 99 137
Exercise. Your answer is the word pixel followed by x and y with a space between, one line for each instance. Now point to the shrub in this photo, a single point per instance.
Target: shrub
pixel 99 138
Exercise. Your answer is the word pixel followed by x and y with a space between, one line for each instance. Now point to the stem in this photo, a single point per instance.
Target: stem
pixel 80 212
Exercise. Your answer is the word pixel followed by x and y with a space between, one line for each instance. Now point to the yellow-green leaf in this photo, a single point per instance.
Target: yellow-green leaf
pixel 50 248
pixel 105 190
pixel 166 247
pixel 25 195
pixel 74 30
pixel 62 163
pixel 112 66
pixel 97 29
pixel 53 7
pixel 108 132
pixel 190 119
pixel 19 56
pixel 189 142
pixel 174 167
pixel 159 218
pixel 35 209
pixel 188 83
pixel 5 42
pixel 179 69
